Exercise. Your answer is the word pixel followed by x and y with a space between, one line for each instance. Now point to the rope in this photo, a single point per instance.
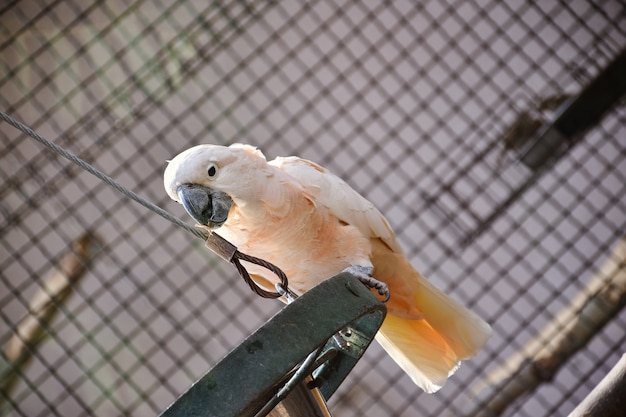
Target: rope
pixel 234 259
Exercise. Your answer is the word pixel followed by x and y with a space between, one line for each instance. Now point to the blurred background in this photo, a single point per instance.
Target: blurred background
pixel 490 134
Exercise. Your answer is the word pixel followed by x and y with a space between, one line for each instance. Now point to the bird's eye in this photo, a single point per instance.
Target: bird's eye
pixel 211 170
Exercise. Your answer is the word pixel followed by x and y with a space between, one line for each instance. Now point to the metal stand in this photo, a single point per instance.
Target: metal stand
pixel 323 333
pixel 302 401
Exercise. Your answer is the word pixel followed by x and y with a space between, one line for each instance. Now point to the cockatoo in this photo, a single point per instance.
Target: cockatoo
pixel 297 215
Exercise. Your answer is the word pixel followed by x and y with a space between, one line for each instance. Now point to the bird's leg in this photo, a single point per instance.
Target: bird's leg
pixel 364 274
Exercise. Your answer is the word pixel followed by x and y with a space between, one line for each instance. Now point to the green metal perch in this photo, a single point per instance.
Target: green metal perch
pixel 331 325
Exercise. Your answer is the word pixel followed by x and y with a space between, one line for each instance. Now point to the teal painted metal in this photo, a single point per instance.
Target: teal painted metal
pixel 247 378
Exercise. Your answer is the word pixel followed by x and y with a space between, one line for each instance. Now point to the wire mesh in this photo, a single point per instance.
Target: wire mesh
pixel 423 107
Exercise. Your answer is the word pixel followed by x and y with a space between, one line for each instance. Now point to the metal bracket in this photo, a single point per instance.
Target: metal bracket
pixel 579 114
pixel 340 314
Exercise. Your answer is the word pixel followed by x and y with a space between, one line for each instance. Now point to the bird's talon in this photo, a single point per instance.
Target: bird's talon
pixel 364 275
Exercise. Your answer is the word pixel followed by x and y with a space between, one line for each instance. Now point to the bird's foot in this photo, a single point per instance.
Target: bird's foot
pixel 364 274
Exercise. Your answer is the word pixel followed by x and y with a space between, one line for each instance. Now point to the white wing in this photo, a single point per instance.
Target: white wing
pixel 341 199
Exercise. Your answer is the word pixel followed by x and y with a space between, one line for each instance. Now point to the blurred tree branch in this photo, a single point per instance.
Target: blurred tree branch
pixel 608 398
pixel 43 308
pixel 571 329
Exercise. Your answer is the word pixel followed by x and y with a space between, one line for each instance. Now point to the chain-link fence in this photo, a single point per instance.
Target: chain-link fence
pixel 429 109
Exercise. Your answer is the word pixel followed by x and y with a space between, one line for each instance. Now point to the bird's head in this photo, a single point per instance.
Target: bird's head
pixel 209 179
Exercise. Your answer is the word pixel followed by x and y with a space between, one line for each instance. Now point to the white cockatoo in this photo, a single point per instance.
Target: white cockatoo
pixel 310 223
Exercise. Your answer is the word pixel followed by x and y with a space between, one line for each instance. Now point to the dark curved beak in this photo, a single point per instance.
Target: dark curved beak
pixel 207 206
